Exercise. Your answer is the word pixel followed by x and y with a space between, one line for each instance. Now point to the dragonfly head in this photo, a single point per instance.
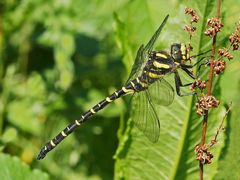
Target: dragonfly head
pixel 179 52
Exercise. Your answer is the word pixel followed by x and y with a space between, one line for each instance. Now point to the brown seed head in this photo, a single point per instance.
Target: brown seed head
pixel 203 155
pixel 193 14
pixel 195 19
pixel 219 66
pixel 205 103
pixel 215 25
pixel 235 47
pixel 189 10
pixel 198 84
pixel 210 32
pixel 235 38
pixel 225 53
pixel 190 29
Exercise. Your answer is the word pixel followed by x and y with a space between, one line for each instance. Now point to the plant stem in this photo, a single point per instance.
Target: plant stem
pixel 209 92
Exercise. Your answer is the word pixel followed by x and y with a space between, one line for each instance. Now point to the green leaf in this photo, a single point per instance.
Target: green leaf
pixel 63 53
pixel 13 168
pixel 25 115
pixel 123 43
pixel 10 135
pixel 229 161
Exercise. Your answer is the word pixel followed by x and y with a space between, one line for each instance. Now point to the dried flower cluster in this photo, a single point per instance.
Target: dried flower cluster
pixel 205 103
pixel 189 28
pixel 225 53
pixel 235 38
pixel 194 19
pixel 193 14
pixel 215 25
pixel 219 66
pixel 203 155
pixel 200 84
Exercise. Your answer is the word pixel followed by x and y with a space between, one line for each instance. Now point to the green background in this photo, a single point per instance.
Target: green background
pixel 58 58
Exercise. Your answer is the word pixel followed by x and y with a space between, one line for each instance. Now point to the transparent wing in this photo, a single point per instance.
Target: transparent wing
pixel 142 54
pixel 138 63
pixel 161 92
pixel 152 41
pixel 145 116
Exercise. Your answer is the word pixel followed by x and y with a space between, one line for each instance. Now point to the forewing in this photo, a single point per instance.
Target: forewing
pixel 145 116
pixel 161 92
pixel 138 63
pixel 142 54
pixel 152 41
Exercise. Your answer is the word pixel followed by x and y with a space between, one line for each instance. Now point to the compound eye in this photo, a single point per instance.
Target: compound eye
pixel 176 50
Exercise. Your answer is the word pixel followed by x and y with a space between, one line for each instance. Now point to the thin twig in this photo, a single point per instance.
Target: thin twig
pixel 221 125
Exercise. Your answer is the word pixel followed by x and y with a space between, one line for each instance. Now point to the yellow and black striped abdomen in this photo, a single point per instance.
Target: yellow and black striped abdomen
pixel 129 88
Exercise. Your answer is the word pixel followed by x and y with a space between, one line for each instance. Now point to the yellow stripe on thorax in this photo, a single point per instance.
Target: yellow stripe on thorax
pixel 133 85
pixel 138 81
pixel 160 65
pixel 161 55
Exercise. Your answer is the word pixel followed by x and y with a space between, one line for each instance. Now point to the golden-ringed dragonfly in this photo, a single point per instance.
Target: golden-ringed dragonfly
pixel 146 83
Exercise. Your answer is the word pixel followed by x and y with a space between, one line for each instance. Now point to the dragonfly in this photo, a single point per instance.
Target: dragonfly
pixel 148 87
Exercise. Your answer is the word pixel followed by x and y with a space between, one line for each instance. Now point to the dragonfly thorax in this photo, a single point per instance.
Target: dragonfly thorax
pixel 160 62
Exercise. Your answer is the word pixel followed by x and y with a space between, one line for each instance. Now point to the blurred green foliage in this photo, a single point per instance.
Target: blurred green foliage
pixel 58 58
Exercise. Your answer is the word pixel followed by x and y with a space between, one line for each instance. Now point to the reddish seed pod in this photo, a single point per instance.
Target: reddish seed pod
pixel 195 18
pixel 224 53
pixel 235 38
pixel 190 29
pixel 235 47
pixel 203 155
pixel 219 66
pixel 215 25
pixel 221 52
pixel 198 84
pixel 205 103
pixel 190 11
pixel 193 14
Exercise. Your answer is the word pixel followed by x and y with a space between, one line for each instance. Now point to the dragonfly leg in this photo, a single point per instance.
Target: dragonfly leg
pixel 178 84
pixel 186 67
pixel 189 73
pixel 200 66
